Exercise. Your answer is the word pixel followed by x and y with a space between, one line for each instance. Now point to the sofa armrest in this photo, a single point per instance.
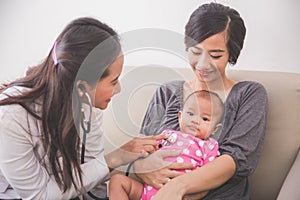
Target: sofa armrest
pixel 290 188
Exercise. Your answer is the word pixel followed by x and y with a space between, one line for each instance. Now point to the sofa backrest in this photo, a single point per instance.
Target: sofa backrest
pixel 124 116
pixel 283 130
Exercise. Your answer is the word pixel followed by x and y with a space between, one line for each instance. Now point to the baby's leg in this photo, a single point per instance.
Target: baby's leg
pixel 122 187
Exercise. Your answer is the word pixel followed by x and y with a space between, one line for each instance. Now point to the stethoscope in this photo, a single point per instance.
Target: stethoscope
pixel 168 141
pixel 86 127
pixel 165 142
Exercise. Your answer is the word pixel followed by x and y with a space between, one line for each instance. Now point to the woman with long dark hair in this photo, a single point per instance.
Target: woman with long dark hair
pixel 50 120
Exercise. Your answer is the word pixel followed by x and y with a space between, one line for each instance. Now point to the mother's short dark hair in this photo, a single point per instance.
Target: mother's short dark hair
pixel 213 18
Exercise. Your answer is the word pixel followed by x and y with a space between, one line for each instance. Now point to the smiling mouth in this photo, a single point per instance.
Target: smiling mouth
pixel 204 73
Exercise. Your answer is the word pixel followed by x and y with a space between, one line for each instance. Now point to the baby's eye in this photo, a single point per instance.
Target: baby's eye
pixel 190 113
pixel 205 119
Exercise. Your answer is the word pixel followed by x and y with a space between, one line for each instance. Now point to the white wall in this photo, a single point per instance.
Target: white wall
pixel 28 29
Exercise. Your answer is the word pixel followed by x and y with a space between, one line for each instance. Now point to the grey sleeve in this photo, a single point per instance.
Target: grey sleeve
pixel 244 128
pixel 162 112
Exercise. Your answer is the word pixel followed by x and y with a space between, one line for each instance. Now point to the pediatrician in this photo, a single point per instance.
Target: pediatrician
pixel 50 120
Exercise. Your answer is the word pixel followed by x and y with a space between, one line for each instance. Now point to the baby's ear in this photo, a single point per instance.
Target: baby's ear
pixel 179 117
pixel 217 128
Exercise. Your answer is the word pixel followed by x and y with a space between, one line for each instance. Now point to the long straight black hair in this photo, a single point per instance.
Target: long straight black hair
pixel 53 83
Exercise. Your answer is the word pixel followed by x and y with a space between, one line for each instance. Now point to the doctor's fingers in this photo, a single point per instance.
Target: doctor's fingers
pixel 138 144
pixel 149 148
pixel 145 141
pixel 164 153
pixel 153 137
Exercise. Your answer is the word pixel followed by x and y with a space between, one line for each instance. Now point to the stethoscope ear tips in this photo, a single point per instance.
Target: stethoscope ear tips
pixel 81 90
pixel 81 87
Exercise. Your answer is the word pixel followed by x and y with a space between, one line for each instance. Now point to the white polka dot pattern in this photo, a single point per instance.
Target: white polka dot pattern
pixel 198 153
pixel 186 151
pixel 180 143
pixel 211 158
pixel 194 150
pixel 201 143
pixel 180 160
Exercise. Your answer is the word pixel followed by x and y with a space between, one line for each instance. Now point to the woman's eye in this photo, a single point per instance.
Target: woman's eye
pixel 215 57
pixel 115 82
pixel 196 53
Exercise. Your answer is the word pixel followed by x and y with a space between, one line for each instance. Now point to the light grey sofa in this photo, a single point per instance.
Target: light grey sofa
pixel 278 173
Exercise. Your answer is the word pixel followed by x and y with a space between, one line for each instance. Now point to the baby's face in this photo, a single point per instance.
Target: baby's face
pixel 196 118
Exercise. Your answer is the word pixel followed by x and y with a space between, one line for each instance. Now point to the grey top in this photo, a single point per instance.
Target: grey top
pixel 241 137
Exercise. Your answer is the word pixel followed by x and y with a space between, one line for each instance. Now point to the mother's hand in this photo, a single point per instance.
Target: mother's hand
pixel 155 171
pixel 172 191
pixel 136 148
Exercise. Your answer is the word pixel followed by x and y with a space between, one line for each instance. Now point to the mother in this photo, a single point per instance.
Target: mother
pixel 43 115
pixel 214 37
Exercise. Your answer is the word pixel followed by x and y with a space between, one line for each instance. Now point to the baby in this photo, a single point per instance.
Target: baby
pixel 199 119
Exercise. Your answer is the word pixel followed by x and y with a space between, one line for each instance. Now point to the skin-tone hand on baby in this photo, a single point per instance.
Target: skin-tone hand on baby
pixel 157 172
pixel 136 148
pixel 176 194
pixel 189 183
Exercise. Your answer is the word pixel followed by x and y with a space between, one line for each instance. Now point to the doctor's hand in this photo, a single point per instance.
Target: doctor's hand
pixel 156 172
pixel 136 148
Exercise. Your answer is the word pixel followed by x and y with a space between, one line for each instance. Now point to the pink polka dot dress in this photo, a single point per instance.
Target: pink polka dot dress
pixel 194 150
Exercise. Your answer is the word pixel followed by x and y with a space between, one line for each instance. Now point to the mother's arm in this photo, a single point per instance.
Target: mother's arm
pixel 241 143
pixel 203 179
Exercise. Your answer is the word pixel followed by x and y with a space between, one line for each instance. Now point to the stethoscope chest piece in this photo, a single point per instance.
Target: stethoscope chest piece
pixel 170 140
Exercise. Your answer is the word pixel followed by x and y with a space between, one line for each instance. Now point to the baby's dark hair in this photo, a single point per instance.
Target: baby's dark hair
pixel 214 98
